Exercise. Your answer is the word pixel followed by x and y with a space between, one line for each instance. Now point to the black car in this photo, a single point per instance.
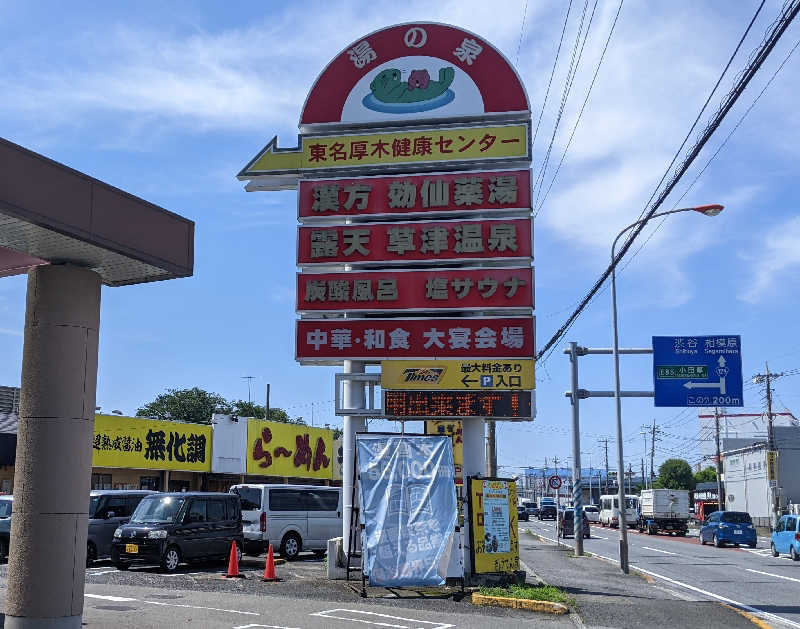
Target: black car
pixel 547 511
pixel 522 513
pixel 167 529
pixel 566 522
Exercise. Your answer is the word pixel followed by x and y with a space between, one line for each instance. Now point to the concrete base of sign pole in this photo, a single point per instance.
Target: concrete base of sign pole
pixel 474 434
pixel 353 397
pixel 46 565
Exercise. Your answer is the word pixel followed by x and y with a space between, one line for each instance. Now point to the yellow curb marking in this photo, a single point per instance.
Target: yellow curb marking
pixel 547 607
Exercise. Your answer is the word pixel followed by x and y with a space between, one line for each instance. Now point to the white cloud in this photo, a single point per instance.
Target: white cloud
pixel 777 261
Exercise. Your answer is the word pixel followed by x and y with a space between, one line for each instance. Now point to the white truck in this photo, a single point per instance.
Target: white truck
pixel 664 511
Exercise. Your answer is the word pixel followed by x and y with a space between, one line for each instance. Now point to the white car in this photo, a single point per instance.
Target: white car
pixel 592 513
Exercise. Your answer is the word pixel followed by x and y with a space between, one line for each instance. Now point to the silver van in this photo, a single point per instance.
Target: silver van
pixel 108 510
pixel 292 518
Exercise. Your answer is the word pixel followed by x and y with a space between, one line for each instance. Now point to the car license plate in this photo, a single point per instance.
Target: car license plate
pixel 132 548
pixel 737 532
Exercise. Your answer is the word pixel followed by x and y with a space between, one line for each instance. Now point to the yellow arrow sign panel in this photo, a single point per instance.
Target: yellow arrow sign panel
pixel 412 146
pixel 458 375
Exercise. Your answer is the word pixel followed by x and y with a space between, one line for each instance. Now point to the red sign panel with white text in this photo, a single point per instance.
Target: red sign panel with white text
pixel 418 194
pixel 384 339
pixel 415 242
pixel 454 289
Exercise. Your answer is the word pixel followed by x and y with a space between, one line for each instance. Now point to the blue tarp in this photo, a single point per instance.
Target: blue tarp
pixel 408 508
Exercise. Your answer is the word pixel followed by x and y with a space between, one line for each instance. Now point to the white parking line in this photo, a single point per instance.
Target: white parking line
pixel 777 576
pixel 378 619
pixel 666 552
pixel 123 599
pixel 268 627
pixel 115 599
pixel 97 574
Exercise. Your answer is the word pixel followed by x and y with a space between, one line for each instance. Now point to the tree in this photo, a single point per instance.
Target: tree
pixel 708 475
pixel 188 405
pixel 674 474
pixel 250 409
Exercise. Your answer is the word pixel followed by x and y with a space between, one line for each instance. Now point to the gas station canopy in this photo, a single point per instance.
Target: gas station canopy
pixel 52 214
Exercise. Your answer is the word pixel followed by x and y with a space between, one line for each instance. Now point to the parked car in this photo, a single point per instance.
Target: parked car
pixel 566 524
pixel 547 510
pixel 522 513
pixel 6 507
pixel 786 537
pixel 108 510
pixel 592 513
pixel 167 529
pixel 292 518
pixel 728 527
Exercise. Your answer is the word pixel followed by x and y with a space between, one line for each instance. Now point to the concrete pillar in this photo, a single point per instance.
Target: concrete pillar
pixel 47 563
pixel 474 465
pixel 353 397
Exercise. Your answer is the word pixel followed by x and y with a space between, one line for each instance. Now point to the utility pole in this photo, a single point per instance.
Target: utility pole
pixel 720 495
pixel 249 380
pixel 605 443
pixel 643 432
pixel 558 491
pixel 644 482
pixel 544 478
pixel 766 378
pixel 630 479
pixel 653 438
pixel 492 443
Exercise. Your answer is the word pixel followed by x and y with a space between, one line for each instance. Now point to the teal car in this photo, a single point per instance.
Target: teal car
pixel 786 537
pixel 6 504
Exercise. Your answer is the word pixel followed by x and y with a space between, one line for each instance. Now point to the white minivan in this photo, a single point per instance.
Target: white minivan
pixel 292 518
pixel 609 510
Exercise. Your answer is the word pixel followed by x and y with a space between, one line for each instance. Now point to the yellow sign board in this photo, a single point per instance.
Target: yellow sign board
pixel 411 146
pixel 458 375
pixel 493 530
pixel 772 465
pixel 150 444
pixel 455 430
pixel 278 449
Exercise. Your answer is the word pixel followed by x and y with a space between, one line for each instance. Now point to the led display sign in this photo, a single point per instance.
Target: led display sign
pixel 482 404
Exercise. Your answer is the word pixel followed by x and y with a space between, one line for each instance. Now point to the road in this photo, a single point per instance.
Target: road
pixel 748 578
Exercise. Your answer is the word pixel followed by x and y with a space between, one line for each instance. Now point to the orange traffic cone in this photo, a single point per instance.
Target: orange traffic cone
pixel 269 567
pixel 233 564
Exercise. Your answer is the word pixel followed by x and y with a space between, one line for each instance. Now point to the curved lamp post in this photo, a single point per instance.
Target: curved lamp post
pixel 707 210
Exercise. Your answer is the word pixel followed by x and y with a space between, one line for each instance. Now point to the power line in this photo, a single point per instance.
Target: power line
pixel 521 31
pixel 580 113
pixel 760 55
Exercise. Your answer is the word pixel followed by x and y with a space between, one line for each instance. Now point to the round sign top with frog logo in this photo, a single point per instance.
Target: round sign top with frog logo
pixel 411 72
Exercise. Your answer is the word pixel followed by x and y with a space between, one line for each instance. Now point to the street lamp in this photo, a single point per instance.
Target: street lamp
pixel 707 210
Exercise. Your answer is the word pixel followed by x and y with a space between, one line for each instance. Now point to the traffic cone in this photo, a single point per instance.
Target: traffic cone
pixel 233 564
pixel 269 567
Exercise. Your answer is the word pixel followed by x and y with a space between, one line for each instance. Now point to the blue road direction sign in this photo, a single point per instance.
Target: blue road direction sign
pixel 697 370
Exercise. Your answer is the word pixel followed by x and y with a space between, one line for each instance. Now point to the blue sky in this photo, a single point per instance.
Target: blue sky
pixel 169 100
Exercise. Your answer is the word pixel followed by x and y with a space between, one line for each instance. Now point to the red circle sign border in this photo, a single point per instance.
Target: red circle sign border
pixel 554 482
pixel 499 84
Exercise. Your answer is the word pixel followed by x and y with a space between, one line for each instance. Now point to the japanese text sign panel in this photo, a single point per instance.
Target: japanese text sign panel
pixel 133 442
pixel 494 533
pixel 697 370
pixel 415 242
pixel 470 375
pixel 398 195
pixel 409 147
pixel 454 429
pixel 512 405
pixel 408 508
pixel 456 289
pixel 278 449
pixel 456 73
pixel 383 339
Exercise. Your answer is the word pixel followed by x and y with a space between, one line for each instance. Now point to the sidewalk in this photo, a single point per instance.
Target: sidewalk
pixel 608 598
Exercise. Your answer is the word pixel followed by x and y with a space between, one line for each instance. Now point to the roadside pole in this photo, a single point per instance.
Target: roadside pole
pixel 577 496
pixel 353 394
pixel 474 465
pixel 720 495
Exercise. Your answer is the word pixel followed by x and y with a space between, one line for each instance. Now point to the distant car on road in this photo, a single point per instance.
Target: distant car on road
pixel 566 524
pixel 547 510
pixel 592 513
pixel 531 508
pixel 728 527
pixel 522 513
pixel 786 537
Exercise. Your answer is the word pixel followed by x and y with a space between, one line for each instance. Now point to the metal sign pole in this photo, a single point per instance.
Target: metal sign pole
pixel 577 497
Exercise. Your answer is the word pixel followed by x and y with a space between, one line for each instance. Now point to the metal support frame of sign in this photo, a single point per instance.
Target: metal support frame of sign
pixel 371 380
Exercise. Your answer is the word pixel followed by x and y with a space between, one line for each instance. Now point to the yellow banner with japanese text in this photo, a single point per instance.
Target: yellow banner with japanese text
pixel 150 444
pixel 454 429
pixel 458 375
pixel 292 450
pixel 493 514
pixel 480 143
